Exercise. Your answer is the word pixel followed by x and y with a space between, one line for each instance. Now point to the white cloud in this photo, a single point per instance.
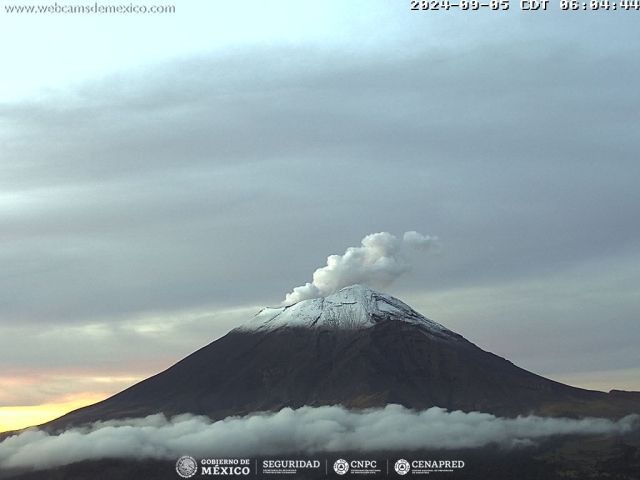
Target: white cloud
pixel 305 430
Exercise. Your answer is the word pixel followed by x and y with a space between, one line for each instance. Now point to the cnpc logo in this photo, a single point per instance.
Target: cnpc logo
pixel 341 466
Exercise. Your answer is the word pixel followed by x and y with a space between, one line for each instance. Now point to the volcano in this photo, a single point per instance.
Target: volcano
pixel 359 348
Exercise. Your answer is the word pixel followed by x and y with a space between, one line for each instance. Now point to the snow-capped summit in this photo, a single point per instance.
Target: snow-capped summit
pixel 352 308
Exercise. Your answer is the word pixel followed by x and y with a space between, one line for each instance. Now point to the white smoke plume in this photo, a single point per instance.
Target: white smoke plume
pixel 380 259
pixel 305 430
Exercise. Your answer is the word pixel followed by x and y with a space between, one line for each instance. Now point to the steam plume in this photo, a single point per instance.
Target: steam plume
pixel 380 259
pixel 305 430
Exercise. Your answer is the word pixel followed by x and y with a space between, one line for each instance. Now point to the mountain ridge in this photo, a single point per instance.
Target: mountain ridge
pixel 373 361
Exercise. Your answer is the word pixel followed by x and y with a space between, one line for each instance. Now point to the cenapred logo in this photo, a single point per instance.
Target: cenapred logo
pixel 341 466
pixel 186 466
pixel 402 467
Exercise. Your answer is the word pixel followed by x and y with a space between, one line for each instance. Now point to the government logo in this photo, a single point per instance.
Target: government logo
pixel 186 466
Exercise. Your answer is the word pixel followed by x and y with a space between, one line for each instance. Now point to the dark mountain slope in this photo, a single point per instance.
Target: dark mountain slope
pixel 358 348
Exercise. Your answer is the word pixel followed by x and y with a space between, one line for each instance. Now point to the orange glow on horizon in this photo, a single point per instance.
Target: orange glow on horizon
pixel 16 418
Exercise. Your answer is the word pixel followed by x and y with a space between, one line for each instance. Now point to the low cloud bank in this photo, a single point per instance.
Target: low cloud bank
pixel 379 260
pixel 305 430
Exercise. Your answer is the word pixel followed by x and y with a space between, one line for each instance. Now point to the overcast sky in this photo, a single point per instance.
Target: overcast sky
pixel 163 177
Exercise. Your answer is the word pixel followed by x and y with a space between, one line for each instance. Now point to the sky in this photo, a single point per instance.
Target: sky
pixel 165 176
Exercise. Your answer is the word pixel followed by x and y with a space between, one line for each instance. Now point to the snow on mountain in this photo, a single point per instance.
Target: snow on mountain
pixel 352 308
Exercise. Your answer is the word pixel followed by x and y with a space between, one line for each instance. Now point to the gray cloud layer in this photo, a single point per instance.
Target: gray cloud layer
pixel 305 430
pixel 152 191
